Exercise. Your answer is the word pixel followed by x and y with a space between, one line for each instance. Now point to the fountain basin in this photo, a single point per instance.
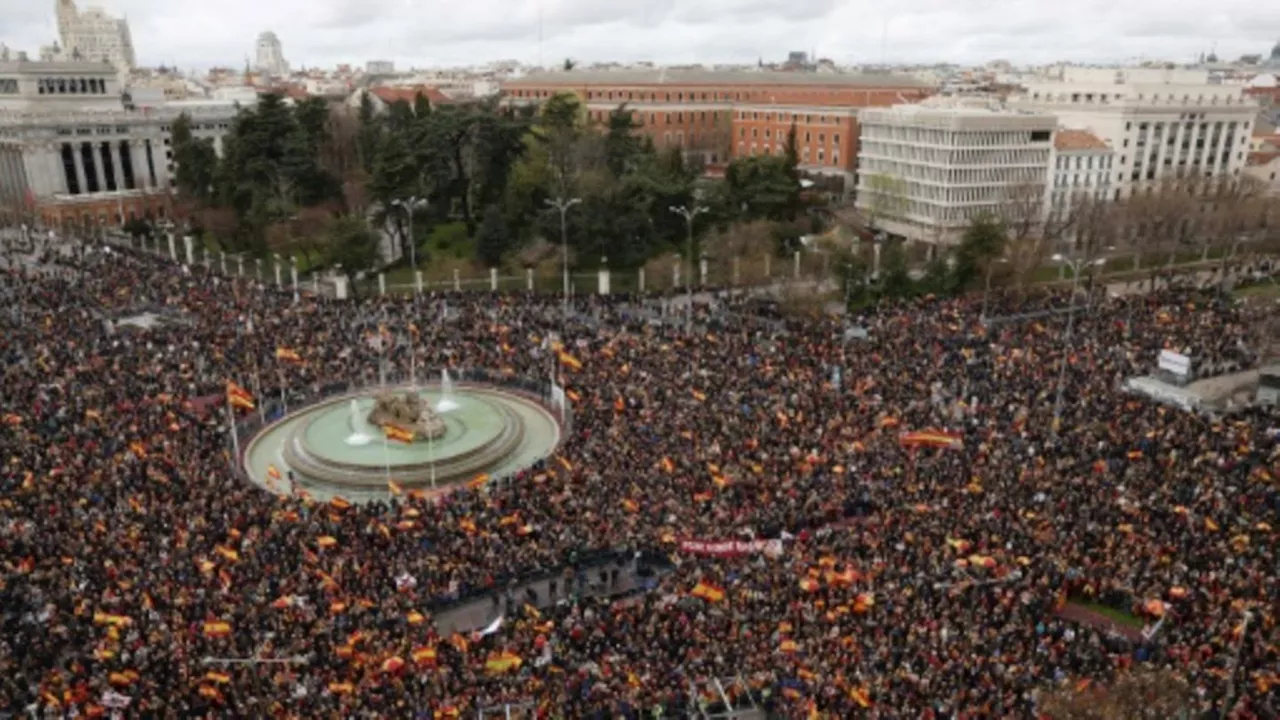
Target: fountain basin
pixel 491 431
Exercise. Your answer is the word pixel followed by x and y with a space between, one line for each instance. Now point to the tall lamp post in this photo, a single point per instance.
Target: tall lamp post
pixel 409 205
pixel 1076 265
pixel 689 213
pixel 563 205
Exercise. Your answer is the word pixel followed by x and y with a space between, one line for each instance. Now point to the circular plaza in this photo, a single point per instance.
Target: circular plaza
pixel 364 445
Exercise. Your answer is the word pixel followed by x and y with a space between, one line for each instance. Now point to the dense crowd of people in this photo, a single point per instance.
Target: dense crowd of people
pixel 915 580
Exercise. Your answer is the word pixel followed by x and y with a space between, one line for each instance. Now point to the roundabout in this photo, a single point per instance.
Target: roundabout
pixel 360 445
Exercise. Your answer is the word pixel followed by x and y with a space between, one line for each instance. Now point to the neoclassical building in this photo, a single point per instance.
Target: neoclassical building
pixel 74 152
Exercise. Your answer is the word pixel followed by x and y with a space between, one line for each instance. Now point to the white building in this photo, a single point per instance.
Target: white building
pixel 1081 168
pixel 1158 129
pixel 95 36
pixel 379 67
pixel 73 153
pixel 270 56
pixel 926 171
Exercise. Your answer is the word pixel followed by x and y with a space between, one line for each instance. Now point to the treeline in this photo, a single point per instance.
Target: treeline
pixel 320 182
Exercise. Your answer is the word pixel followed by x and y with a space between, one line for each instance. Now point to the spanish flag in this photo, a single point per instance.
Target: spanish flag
pixel 217 677
pixel 286 355
pixel 478 481
pixel 424 655
pixel 569 361
pixel 667 465
pixel 630 505
pixel 273 472
pixel 227 552
pixel 399 434
pixel 395 488
pixel 217 628
pixel 239 397
pixel 498 663
pixel 338 502
pixel 932 438
pixel 699 396
pixel 707 591
pixel 860 696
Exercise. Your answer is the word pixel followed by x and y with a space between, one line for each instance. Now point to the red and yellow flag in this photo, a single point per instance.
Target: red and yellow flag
pixel 287 355
pixel 569 361
pixel 397 433
pixel 217 628
pixel 501 662
pixel 239 397
pixel 707 591
pixel 934 438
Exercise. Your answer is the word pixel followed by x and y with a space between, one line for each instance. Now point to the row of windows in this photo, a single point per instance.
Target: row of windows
pixel 100 130
pixel 678 96
pixel 8 86
pixel 782 117
pixel 808 135
pixel 1083 162
pixel 71 86
pixel 1106 98
pixel 805 155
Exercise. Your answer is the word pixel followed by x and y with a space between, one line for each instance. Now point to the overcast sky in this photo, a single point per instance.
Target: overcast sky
pixel 201 33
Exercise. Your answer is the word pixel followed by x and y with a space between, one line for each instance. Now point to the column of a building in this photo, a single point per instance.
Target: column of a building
pixel 124 181
pixel 77 159
pixel 140 176
pixel 55 181
pixel 97 167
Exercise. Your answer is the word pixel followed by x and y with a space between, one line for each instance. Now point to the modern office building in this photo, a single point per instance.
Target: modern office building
pixel 1160 123
pixel 379 67
pixel 926 171
pixel 75 152
pixel 269 58
pixel 724 115
pixel 94 36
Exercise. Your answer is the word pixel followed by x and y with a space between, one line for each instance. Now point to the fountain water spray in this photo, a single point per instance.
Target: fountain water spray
pixel 447 402
pixel 357 436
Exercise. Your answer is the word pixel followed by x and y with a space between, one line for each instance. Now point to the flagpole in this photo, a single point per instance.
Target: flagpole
pixel 257 393
pixel 235 436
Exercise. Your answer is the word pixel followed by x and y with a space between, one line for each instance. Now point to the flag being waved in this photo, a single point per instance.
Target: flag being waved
pixel 707 591
pixel 239 397
pixel 934 438
pixel 287 355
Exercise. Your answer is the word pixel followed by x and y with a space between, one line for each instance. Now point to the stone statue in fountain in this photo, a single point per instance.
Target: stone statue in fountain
pixel 407 410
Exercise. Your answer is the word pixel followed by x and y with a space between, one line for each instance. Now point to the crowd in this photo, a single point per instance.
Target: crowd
pixel 914 581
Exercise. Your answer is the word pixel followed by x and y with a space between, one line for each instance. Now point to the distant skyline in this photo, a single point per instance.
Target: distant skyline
pixel 426 33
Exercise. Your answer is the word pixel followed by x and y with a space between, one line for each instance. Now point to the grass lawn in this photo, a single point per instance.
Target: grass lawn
pixel 1265 291
pixel 1120 617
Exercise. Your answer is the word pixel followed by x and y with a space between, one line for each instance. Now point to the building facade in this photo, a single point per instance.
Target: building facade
pixel 926 171
pixel 1157 129
pixel 1081 169
pixel 73 154
pixel 94 36
pixel 269 57
pixel 379 67
pixel 723 115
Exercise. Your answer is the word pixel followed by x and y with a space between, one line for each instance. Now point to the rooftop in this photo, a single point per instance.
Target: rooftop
pixel 667 76
pixel 1069 140
pixel 391 95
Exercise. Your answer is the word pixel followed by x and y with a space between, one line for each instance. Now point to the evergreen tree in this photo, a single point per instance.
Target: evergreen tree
pixel 493 241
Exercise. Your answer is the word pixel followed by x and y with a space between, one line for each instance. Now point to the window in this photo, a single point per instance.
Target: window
pixel 836 138
pixel 1041 135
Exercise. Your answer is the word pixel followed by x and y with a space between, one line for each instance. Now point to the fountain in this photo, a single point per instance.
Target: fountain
pixel 357 436
pixel 447 402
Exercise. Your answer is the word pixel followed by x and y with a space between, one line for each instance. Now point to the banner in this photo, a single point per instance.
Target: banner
pixel 732 548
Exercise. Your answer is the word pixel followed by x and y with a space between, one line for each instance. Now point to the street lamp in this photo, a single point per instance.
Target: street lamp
pixel 689 213
pixel 563 205
pixel 409 205
pixel 1076 265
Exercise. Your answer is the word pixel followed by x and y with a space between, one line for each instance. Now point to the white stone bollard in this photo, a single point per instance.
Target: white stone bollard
pixel 796 270
pixel 493 279
pixel 528 279
pixel 641 284
pixel 457 280
pixel 417 280
pixel 382 284
pixel 604 281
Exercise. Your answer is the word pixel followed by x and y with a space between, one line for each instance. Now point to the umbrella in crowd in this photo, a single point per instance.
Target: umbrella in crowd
pixel 896 538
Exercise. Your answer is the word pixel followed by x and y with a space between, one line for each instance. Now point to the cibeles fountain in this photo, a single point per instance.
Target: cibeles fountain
pixel 427 437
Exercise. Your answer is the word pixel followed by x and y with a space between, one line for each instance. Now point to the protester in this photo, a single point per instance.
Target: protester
pixel 920 581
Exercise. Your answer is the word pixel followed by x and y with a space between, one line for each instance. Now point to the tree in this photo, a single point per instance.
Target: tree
pixel 886 198
pixel 761 187
pixel 394 179
pixel 895 277
pixel 353 247
pixel 622 147
pixel 493 241
pixel 982 245
pixel 1030 235
pixel 196 161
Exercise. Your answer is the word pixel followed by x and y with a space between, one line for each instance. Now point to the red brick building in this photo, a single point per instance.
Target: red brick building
pixel 731 114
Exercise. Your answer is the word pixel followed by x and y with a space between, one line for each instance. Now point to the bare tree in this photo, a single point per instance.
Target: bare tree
pixel 340 155
pixel 1139 695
